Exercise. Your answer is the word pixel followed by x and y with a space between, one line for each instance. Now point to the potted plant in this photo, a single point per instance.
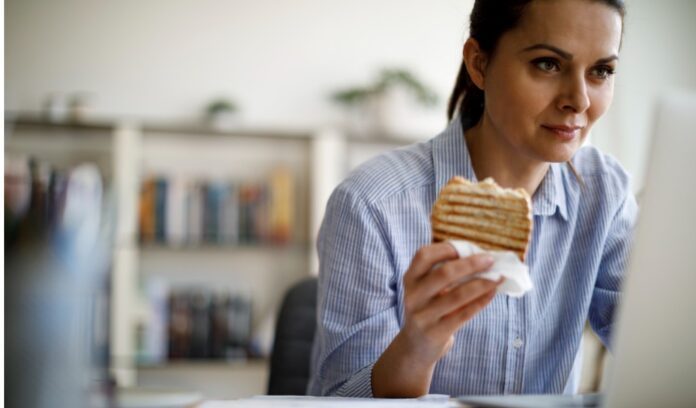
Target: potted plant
pixel 385 106
pixel 221 113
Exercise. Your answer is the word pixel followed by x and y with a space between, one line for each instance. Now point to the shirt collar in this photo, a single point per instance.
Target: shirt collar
pixel 451 158
pixel 551 195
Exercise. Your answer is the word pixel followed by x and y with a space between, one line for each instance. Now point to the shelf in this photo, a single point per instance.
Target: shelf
pixel 213 380
pixel 193 130
pixel 382 140
pixel 38 121
pixel 263 272
pixel 217 248
pixel 190 129
pixel 185 129
pixel 139 397
pixel 206 364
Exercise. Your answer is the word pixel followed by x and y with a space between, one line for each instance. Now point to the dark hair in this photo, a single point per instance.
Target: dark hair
pixel 489 20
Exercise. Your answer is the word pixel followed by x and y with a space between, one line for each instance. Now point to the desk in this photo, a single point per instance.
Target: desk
pixel 266 401
pixel 429 401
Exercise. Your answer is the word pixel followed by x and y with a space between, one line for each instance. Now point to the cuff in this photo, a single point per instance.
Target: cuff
pixel 359 385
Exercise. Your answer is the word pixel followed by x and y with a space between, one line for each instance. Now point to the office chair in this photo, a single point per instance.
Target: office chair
pixel 292 345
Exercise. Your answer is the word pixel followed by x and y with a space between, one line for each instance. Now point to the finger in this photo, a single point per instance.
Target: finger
pixel 457 298
pixel 448 274
pixel 426 257
pixel 456 319
pixel 453 271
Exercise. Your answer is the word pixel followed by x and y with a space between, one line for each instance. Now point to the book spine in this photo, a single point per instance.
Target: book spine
pixel 230 223
pixel 161 210
pixel 281 207
pixel 175 217
pixel 195 214
pixel 147 211
pixel 200 324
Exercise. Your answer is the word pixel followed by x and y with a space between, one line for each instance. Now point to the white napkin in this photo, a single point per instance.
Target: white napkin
pixel 517 281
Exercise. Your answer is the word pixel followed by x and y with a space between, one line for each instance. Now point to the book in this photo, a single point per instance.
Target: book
pixel 175 212
pixel 161 210
pixel 249 195
pixel 147 211
pixel 200 324
pixel 179 211
pixel 218 325
pixel 179 326
pixel 194 213
pixel 206 324
pixel 230 215
pixel 281 208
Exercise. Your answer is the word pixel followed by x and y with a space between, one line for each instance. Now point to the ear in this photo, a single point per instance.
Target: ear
pixel 476 61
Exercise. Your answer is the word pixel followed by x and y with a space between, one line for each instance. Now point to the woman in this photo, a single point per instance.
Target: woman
pixel 535 77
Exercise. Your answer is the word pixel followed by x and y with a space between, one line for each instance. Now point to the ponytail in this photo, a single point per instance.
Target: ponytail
pixel 459 89
pixel 466 97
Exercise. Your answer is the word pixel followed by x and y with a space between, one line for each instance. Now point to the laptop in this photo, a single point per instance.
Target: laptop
pixel 655 337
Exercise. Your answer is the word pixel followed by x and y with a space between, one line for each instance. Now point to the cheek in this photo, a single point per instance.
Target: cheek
pixel 600 100
pixel 516 102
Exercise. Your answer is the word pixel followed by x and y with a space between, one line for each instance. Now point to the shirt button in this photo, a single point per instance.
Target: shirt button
pixel 517 343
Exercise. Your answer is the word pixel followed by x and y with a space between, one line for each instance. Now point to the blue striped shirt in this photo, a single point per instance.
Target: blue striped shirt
pixel 379 216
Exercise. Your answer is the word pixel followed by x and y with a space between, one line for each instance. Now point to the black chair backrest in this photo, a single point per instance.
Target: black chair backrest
pixel 294 334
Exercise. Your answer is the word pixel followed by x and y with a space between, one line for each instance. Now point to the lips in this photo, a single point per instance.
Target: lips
pixel 564 132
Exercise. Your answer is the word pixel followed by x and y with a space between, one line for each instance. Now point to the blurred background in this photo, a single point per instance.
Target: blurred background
pixel 173 158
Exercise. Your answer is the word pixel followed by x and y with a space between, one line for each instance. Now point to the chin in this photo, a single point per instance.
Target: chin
pixel 560 154
pixel 552 150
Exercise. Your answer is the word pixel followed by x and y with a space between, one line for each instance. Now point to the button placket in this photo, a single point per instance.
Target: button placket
pixel 511 358
pixel 515 360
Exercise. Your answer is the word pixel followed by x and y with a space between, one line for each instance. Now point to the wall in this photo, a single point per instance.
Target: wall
pixel 658 56
pixel 280 59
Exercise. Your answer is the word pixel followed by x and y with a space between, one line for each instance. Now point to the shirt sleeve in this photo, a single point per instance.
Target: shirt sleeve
pixel 357 301
pixel 606 293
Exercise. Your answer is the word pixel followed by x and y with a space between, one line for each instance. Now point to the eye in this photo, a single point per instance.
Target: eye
pixel 547 64
pixel 603 71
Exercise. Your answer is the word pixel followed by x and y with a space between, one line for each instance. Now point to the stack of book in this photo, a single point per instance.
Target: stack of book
pixel 177 211
pixel 197 323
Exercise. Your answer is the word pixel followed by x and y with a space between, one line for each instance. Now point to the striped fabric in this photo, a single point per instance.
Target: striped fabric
pixel 378 218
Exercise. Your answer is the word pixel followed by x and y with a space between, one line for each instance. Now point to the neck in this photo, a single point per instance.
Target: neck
pixel 492 156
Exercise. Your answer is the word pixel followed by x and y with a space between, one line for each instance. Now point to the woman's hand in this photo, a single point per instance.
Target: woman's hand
pixel 436 306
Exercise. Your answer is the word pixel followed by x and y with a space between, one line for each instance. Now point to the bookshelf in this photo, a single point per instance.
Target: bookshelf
pixel 130 152
pixel 258 269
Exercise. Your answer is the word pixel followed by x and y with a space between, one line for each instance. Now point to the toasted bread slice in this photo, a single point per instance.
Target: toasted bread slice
pixel 492 217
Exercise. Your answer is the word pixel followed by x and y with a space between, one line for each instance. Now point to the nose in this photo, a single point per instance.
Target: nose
pixel 574 97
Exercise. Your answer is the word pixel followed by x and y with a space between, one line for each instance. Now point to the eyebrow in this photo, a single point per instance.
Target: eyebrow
pixel 566 55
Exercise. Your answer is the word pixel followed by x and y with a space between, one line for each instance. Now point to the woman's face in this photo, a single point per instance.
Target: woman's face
pixel 550 78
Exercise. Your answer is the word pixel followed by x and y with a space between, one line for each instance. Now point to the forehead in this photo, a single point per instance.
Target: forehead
pixel 581 27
